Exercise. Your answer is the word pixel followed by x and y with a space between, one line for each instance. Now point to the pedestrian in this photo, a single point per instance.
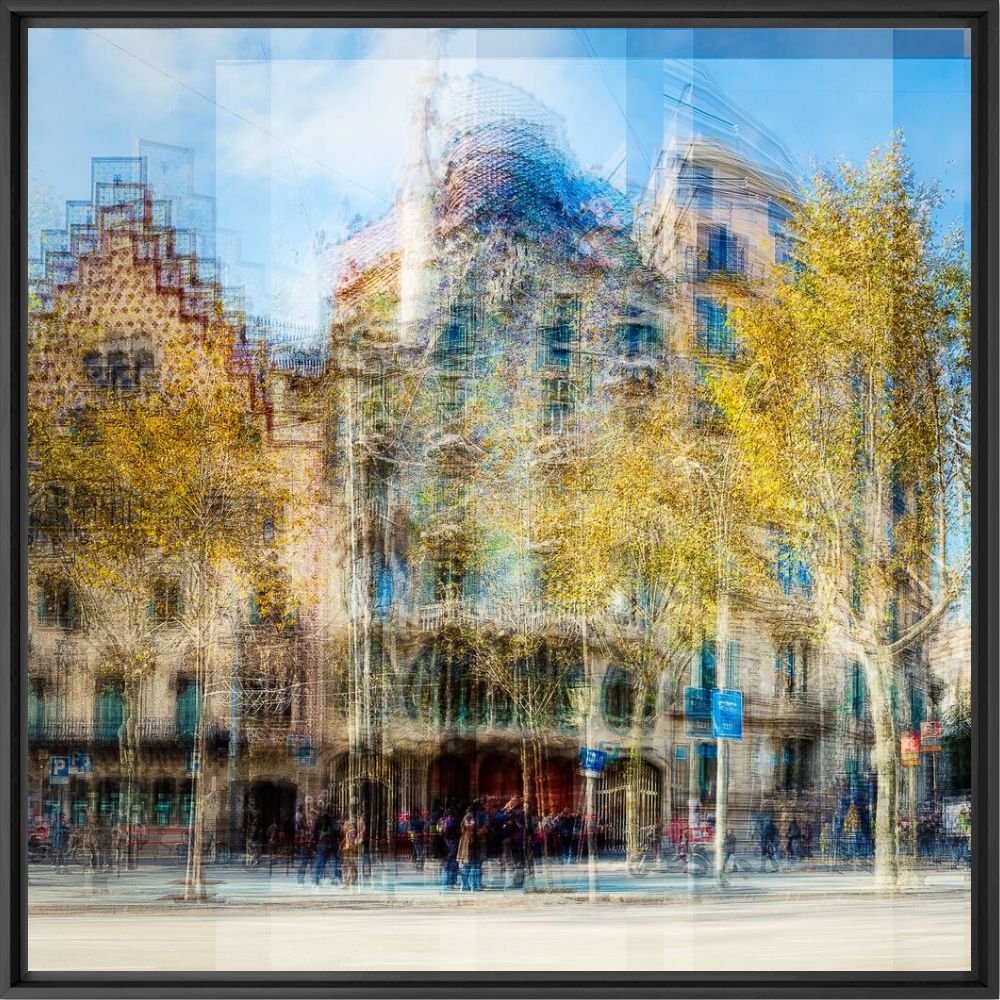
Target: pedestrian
pixel 418 846
pixel 322 838
pixel 60 842
pixel 349 853
pixel 468 854
pixel 769 844
pixel 792 837
pixel 449 838
pixel 730 845
pixel 302 839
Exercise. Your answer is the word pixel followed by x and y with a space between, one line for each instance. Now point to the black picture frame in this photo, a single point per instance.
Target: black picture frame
pixel 982 17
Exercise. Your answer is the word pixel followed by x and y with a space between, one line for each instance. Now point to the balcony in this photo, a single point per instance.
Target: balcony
pixel 150 732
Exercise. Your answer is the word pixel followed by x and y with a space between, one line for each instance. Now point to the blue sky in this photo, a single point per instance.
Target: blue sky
pixel 300 131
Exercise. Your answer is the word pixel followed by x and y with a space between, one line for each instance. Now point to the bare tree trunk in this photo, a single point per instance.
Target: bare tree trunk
pixel 879 671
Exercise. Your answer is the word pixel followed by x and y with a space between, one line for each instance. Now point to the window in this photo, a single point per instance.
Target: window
pixel 93 366
pixel 856 690
pixel 792 571
pixel 188 708
pixel 558 405
pixel 714 334
pixel 719 251
pixel 636 338
pixel 733 664
pixel 143 367
pixel 36 707
pixel 119 376
pixel 707 666
pixel 791 669
pixel 794 773
pixel 559 338
pixel 109 712
pixel 167 605
pixel 620 696
pixel 57 605
pixel 707 771
pixel 778 218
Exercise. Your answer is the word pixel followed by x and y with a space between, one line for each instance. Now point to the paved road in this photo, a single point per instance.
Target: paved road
pixel 927 930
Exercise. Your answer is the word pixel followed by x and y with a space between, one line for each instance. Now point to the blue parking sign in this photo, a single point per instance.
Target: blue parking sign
pixel 193 761
pixel 81 763
pixel 305 755
pixel 697 712
pixel 727 714
pixel 58 770
pixel 592 761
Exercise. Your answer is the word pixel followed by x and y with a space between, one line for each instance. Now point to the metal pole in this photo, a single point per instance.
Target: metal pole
pixel 721 808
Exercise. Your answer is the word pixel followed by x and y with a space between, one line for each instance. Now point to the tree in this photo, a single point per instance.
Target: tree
pixel 850 405
pixel 627 542
pixel 172 475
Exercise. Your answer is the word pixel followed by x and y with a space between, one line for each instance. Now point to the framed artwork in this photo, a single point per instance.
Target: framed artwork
pixel 499 504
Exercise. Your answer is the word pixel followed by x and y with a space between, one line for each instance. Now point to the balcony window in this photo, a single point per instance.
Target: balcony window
pixel 714 333
pixel 719 251
pixel 109 712
pixel 558 339
pixel 188 708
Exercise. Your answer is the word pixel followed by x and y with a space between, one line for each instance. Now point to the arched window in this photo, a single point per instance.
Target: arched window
pixel 620 694
pixel 109 712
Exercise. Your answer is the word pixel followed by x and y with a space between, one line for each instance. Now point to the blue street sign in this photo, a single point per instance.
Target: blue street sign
pixel 727 714
pixel 592 761
pixel 305 756
pixel 58 770
pixel 697 712
pixel 193 761
pixel 81 763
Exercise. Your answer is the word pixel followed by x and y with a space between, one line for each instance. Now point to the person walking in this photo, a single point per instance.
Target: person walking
pixel 322 838
pixel 730 845
pixel 468 854
pixel 769 844
pixel 60 842
pixel 793 835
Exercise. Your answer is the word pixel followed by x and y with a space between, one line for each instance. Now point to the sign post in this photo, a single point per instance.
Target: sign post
pixel 727 725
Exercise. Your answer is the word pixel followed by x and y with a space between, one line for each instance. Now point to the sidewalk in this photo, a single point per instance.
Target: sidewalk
pixel 160 886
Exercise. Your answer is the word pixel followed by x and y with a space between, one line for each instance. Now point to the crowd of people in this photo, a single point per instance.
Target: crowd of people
pixel 327 848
